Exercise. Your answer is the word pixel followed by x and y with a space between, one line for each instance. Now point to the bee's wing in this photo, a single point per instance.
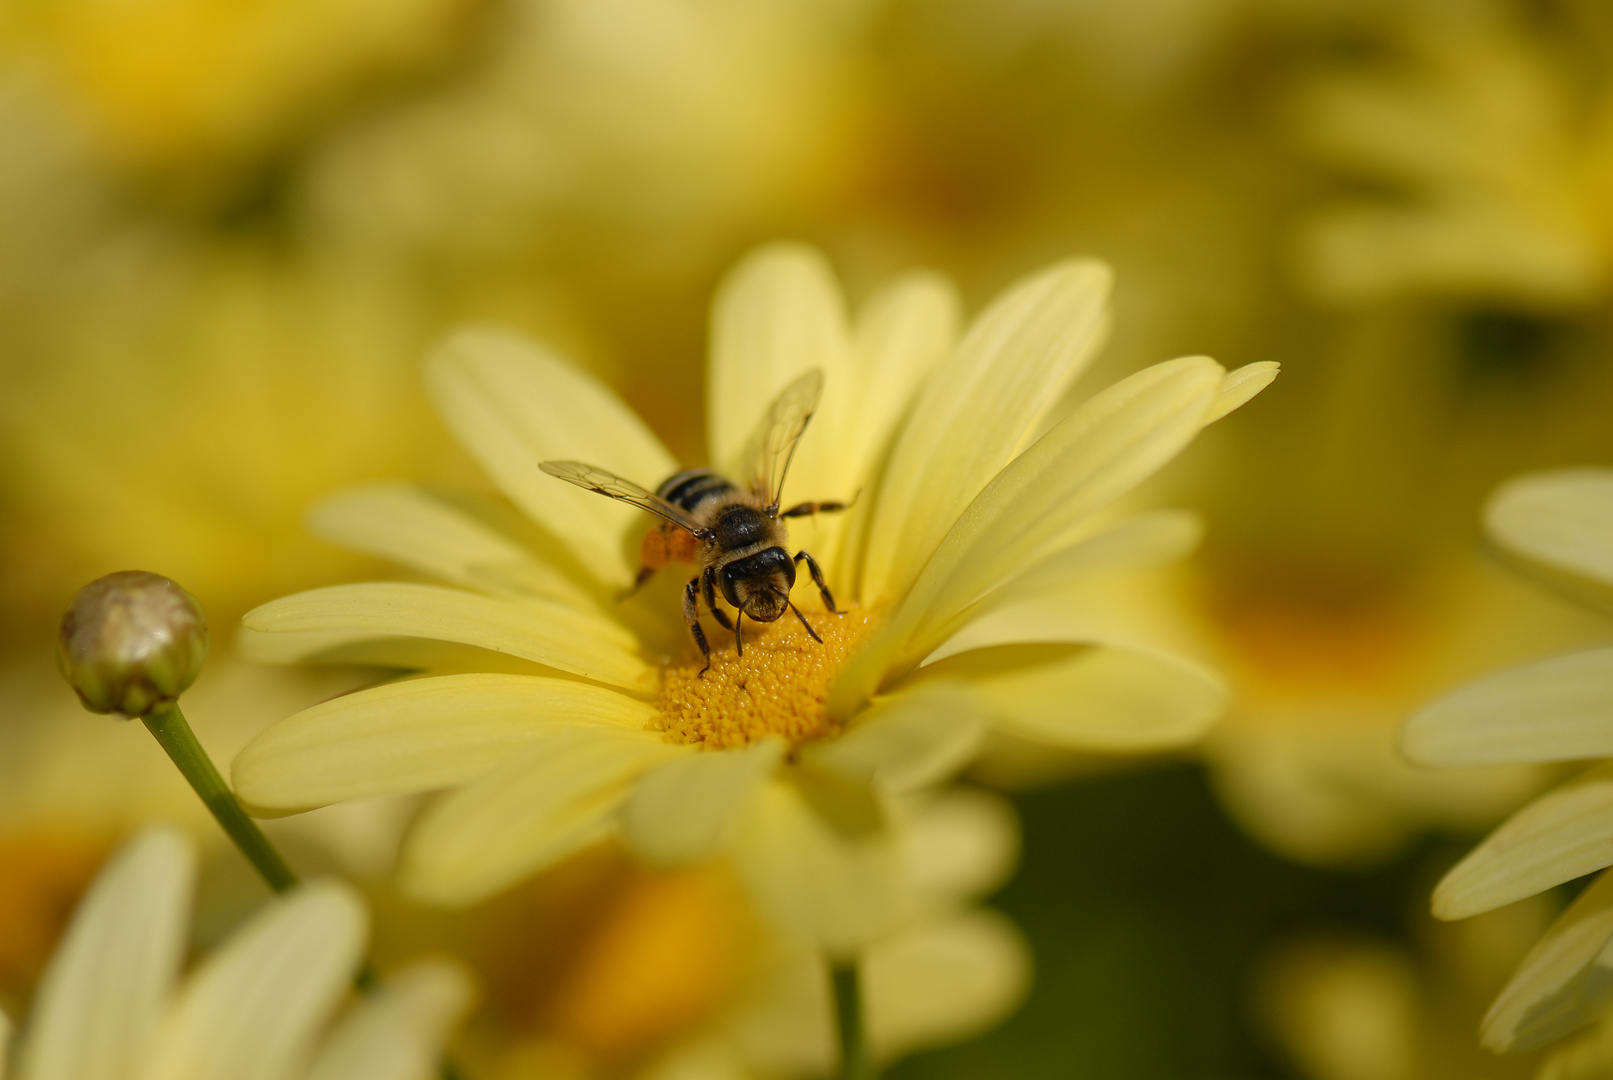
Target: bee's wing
pixel 608 483
pixel 772 444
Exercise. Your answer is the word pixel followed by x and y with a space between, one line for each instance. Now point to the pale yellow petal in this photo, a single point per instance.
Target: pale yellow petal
pixel 416 529
pixel 976 412
pixel 101 1000
pixel 1564 982
pixel 397 1031
pixel 907 739
pixel 944 980
pixel 1555 710
pixel 557 797
pixel 561 636
pixel 819 869
pixel 417 735
pixel 1035 507
pixel 1589 1057
pixel 1564 834
pixel 778 314
pixel 514 404
pixel 962 842
pixel 1563 519
pixel 1084 697
pixel 254 1008
pixel 1239 388
pixel 684 811
pixel 5 1044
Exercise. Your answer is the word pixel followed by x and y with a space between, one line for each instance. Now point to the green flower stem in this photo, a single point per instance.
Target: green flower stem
pixel 174 735
pixel 856 1059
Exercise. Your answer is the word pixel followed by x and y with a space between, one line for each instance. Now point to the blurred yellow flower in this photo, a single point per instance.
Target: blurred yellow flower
pixel 112 1005
pixel 1498 144
pixel 957 559
pixel 1559 524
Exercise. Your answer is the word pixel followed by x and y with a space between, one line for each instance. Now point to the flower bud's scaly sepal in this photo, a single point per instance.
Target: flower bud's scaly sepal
pixel 131 642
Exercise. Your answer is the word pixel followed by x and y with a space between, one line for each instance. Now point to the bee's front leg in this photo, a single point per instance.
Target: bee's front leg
pixel 691 615
pixel 817 579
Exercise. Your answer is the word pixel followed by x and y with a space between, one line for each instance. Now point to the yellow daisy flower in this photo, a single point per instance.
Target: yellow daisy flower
pixel 111 1005
pixel 1558 526
pixel 570 715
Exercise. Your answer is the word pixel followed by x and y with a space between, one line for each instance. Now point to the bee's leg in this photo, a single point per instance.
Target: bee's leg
pixel 817 579
pixel 691 615
pixel 708 588
pixel 806 624
pixel 645 573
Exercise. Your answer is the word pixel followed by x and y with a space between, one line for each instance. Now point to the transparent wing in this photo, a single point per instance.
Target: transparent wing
pixel 772 445
pixel 608 483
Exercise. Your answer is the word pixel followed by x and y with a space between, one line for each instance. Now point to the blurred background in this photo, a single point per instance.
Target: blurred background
pixel 229 229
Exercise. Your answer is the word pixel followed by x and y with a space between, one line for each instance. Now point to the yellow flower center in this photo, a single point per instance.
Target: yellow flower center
pixel 777 688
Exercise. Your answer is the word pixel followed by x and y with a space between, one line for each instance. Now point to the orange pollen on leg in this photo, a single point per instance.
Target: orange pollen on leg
pixel 777 688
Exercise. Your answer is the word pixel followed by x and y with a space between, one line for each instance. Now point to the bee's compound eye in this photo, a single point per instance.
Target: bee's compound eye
pixel 729 581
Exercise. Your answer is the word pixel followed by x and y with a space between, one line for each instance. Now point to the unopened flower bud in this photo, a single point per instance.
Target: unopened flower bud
pixel 131 641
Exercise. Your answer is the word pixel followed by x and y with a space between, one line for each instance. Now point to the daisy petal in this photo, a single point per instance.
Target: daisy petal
pixel 1086 697
pixel 1563 519
pixel 962 843
pixel 906 740
pixel 1564 834
pixel 254 1008
pixel 415 529
pixel 1239 388
pixel 838 883
pixel 778 314
pixel 683 811
pixel 1555 710
pixel 1587 1058
pixel 556 798
pixel 397 1032
pixel 557 635
pixel 514 404
pixel 944 980
pixel 1564 983
pixel 976 412
pixel 416 735
pixel 5 1043
pixel 101 1000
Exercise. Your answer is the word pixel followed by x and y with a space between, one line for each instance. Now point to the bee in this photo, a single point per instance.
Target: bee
pixel 734 533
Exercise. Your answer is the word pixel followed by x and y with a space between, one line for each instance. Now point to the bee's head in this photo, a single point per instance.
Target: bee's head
pixel 759 584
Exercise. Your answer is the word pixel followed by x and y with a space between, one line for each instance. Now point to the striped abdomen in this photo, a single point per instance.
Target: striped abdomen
pixel 691 487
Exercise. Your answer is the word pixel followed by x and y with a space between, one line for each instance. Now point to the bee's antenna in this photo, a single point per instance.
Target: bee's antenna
pixel 804 623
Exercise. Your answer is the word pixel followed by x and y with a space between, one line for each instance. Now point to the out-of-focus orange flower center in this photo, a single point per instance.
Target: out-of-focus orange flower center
pixel 43 872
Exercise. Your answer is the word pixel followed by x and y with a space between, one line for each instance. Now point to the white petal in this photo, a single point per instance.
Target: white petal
pixel 1564 834
pixel 101 1000
pixel 416 529
pixel 976 412
pixel 682 812
pixel 778 314
pixel 943 981
pixel 1555 710
pixel 1563 518
pixel 963 842
pixel 561 636
pixel 817 867
pixel 907 739
pixel 1084 697
pixel 1036 506
pixel 253 1010
pixel 514 404
pixel 1240 386
pixel 556 798
pixel 1564 983
pixel 416 735
pixel 397 1031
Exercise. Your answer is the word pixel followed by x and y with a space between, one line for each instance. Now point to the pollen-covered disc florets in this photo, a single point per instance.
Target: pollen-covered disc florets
pixel 779 687
pixel 130 642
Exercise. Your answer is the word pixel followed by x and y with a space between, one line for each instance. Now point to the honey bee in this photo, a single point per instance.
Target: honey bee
pixel 734 533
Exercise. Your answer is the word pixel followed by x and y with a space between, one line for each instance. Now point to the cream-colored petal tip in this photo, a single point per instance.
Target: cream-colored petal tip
pixel 1240 386
pixel 1564 518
